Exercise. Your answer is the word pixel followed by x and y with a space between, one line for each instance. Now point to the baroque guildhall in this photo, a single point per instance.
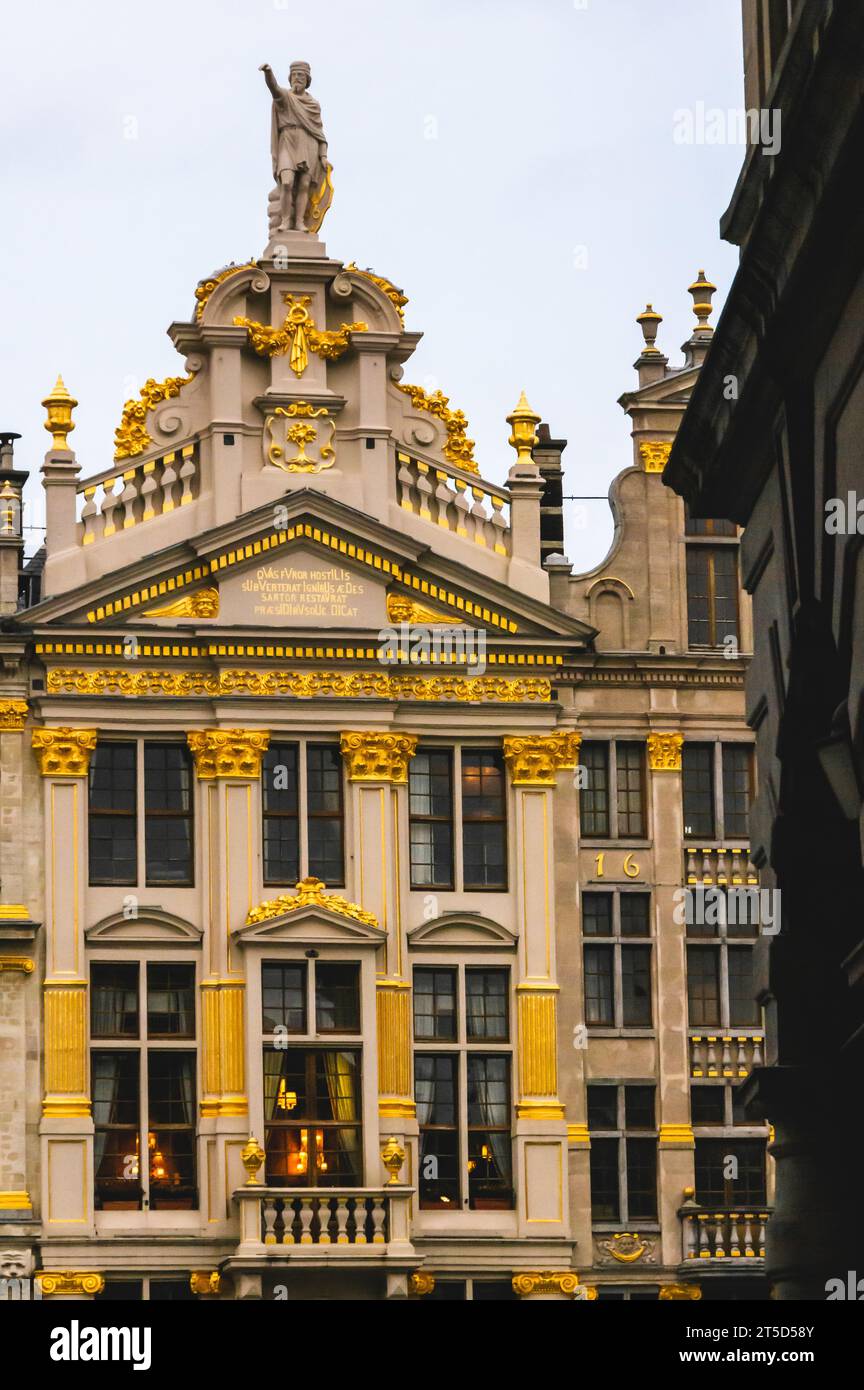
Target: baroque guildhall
pixel 344 830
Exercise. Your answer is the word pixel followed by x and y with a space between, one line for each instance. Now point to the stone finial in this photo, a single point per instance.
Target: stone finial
pixel 703 292
pixel 649 321
pixel 522 420
pixel 59 405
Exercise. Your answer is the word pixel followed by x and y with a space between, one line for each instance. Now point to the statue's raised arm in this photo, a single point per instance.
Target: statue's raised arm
pixel 299 149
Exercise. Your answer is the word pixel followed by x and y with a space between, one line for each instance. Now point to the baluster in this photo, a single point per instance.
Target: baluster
pixel 167 481
pixel 148 488
pixel 691 1237
pixel 748 1234
pixel 734 1248
pixel 736 866
pixel 757 1052
pixel 726 1061
pixel 696 1056
pixel 88 516
pixel 478 514
pixel 110 499
pixel 692 868
pixel 462 505
pixel 379 1212
pixel 752 871
pixel 269 1208
pixel 307 1211
pixel 499 525
pixel 763 1217
pixel 719 1236
pixel 324 1220
pixel 707 875
pixel 342 1221
pixel 741 1057
pixel 360 1221
pixel 405 479
pixel 711 1057
pixel 443 497
pixel 704 1244
pixel 424 490
pixel 187 473
pixel 129 496
pixel 722 866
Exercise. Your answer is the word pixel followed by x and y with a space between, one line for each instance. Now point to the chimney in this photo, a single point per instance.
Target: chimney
pixel 547 456
pixel 12 482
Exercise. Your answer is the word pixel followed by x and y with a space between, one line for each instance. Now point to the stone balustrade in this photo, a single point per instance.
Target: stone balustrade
pixel 709 1234
pixel 720 866
pixel 732 1055
pixel 290 1220
pixel 455 501
pixel 127 496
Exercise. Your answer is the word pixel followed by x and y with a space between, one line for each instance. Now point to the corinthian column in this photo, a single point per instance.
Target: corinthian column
pixel 541 1134
pixel 66 1128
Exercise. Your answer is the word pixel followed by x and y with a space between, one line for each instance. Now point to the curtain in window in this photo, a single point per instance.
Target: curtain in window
pixel 186 1087
pixel 489 1104
pixel 105 1081
pixel 272 1074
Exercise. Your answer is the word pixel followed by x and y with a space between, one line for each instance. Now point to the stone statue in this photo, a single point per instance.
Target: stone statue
pixel 298 146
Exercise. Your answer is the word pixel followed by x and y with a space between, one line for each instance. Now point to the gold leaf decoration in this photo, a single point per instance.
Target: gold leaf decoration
pixel 204 603
pixel 403 685
pixel 205 288
pixel 457 449
pixel 311 892
pixel 131 436
pixel 298 335
pixel 396 297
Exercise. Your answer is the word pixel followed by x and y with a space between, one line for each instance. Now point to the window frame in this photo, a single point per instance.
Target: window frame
pixel 143 879
pixel 718 809
pixel 711 544
pixel 302 744
pixel 456 751
pixel 719 941
pixel 618 942
pixel 613 812
pixel 621 1133
pixel 415 818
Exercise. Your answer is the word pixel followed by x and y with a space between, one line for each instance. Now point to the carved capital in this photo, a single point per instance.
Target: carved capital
pixel 63 752
pixel 680 1291
pixel 664 752
pixel 205 1282
pixel 534 759
pixel 421 1284
pixel 547 1284
pixel 655 455
pixel 22 963
pixel 70 1281
pixel 378 757
pixel 227 752
pixel 13 713
pixel 676 1137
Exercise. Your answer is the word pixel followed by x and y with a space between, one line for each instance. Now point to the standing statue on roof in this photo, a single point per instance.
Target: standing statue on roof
pixel 298 146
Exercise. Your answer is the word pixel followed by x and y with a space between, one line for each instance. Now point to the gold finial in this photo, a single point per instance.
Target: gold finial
pixel 393 1156
pixel 649 322
pixel 252 1156
pixel 522 421
pixel 703 292
pixel 59 406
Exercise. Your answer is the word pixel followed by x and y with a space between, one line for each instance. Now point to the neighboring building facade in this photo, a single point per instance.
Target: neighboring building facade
pixel 780 453
pixel 330 972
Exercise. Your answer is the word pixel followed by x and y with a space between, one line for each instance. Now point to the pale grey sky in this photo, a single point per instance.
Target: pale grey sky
pixel 510 164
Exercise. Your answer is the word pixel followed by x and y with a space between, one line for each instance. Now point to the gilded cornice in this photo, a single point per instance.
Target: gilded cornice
pixel 70 1281
pixel 298 335
pixel 458 449
pixel 131 436
pixel 311 892
pixel 655 455
pixel 183 651
pixel 396 297
pixel 13 714
pixel 401 685
pixel 63 752
pixel 664 752
pixel 205 288
pixel 534 759
pixel 378 757
pixel 203 603
pixel 548 1283
pixel 228 752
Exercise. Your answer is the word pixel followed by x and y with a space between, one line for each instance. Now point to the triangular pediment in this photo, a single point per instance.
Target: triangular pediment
pixel 462 931
pixel 150 926
pixel 311 925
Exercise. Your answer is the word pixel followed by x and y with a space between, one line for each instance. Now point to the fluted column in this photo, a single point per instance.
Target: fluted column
pixel 534 762
pixel 228 767
pixel 66 1128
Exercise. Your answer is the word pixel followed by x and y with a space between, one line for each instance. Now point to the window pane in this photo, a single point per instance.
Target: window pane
pixel 743 1008
pixel 484 827
pixel 312 1109
pixel 337 998
pixel 486 999
pixel 635 916
pixel 636 986
pixel 168 813
pixel 596 914
pixel 697 762
pixel 631 812
pixel 605 1194
pixel 602 1107
pixel 736 790
pixel 281 823
pixel 488 1090
pixel 699 626
pixel 325 817
pixel 708 1105
pixel 171 1001
pixel 725 577
pixel 283 997
pixel 435 1004
pixel 171 1129
pixel 114 1001
pixel 703 986
pixel 599 1002
pixel 112 820
pixel 431 813
pixel 490 1180
pixel 117 1119
pixel 713 1188
pixel 639 1107
pixel 642 1179
pixel 435 1090
pixel 594 795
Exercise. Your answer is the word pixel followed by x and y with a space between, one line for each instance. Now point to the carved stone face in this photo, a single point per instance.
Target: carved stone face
pixel 299 80
pixel 14 1264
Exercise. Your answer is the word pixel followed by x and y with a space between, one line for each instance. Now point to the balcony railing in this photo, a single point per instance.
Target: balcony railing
pixel 366 1222
pixel 133 493
pixel 712 1234
pixel 458 502
pixel 724 866
pixel 732 1054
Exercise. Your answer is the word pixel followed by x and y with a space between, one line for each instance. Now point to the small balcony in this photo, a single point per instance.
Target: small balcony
pixel 326 1225
pixel 721 866
pixel 717 1240
pixel 732 1055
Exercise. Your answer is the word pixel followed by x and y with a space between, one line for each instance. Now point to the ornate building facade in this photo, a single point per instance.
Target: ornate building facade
pixel 344 837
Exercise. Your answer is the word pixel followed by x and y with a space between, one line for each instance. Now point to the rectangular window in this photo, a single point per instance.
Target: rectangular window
pixel 712 594
pixel 168 814
pixel 630 763
pixel 487 1004
pixel 171 1134
pixel 737 763
pixel 313 1117
pixel 115 1082
pixel 618 970
pixel 114 1001
pixel 170 1001
pixel 490 1177
pixel 337 998
pixel 325 813
pixel 721 981
pixel 714 1188
pixel 435 1080
pixel 283 997
pixel 612 791
pixel 113 815
pixel 703 986
pixel 280 799
pixel 430 803
pixel 484 820
pixel 697 769
pixel 623 1128
pixel 435 1005
pixel 594 794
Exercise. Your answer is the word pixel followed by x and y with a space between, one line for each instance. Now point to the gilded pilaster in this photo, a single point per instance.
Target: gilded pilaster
pixel 395 1082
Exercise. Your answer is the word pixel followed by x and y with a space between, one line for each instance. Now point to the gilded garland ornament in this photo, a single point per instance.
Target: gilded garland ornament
pixel 534 759
pixel 311 892
pixel 227 752
pixel 298 335
pixel 378 757
pixel 63 752
pixel 458 449
pixel 396 297
pixel 131 437
pixel 13 714
pixel 402 685
pixel 205 288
